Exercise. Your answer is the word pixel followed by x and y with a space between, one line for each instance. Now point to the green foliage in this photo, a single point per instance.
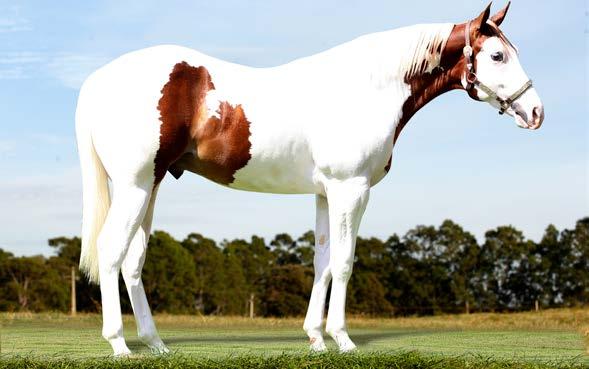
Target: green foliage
pixel 290 361
pixel 427 271
pixel 287 290
pixel 169 275
pixel 30 284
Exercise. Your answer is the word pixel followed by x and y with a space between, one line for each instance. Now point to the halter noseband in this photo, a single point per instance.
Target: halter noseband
pixel 473 81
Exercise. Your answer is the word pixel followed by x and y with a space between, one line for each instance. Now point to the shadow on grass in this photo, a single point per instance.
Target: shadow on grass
pixel 361 338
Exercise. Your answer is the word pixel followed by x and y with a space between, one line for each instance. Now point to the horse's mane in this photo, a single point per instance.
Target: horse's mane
pixel 424 50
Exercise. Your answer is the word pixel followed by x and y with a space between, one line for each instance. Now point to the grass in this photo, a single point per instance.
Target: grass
pixel 547 339
pixel 285 361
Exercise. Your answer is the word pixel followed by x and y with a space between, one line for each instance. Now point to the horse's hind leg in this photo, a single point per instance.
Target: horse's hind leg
pixel 129 204
pixel 131 270
pixel 314 318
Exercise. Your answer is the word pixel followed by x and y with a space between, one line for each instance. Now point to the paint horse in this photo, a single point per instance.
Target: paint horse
pixel 323 125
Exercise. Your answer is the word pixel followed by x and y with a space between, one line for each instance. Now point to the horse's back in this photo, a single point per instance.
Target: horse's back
pixel 258 129
pixel 173 107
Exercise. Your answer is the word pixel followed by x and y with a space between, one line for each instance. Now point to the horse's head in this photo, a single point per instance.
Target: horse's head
pixel 491 70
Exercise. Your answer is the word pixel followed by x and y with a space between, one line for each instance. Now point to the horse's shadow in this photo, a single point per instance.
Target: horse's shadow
pixel 360 338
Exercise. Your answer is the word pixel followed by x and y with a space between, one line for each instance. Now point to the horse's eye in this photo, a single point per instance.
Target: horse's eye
pixel 498 56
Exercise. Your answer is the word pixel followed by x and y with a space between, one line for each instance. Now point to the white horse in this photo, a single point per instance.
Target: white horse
pixel 323 125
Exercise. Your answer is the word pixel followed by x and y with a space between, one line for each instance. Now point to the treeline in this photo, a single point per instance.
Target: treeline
pixel 427 271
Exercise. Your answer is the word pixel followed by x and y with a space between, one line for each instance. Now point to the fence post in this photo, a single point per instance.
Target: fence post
pixel 537 305
pixel 251 303
pixel 467 307
pixel 73 308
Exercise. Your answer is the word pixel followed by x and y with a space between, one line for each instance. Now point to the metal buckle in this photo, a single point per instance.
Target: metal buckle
pixel 504 106
pixel 471 77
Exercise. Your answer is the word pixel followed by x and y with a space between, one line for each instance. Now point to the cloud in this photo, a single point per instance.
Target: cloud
pixel 12 73
pixel 72 69
pixel 18 65
pixel 7 148
pixel 12 21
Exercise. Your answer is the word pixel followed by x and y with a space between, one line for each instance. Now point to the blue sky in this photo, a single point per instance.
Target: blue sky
pixel 456 159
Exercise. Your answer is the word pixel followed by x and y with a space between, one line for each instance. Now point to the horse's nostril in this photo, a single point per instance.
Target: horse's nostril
pixel 537 116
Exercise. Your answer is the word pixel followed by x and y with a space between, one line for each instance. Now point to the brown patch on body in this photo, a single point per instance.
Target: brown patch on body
pixel 214 147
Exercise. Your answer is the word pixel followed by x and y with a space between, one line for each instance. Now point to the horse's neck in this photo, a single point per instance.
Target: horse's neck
pixel 382 58
pixel 432 71
pixel 406 61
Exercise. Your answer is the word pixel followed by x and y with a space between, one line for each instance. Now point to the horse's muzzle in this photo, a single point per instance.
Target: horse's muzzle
pixel 537 117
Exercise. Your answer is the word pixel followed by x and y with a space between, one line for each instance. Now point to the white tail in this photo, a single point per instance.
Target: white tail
pixel 95 196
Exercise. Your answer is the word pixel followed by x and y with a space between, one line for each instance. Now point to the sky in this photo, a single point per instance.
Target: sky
pixel 457 159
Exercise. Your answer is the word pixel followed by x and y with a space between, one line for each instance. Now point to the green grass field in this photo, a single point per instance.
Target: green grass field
pixel 547 339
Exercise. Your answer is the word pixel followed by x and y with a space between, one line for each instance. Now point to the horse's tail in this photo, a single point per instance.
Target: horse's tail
pixel 95 193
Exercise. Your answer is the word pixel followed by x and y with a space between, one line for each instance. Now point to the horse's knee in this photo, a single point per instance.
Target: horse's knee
pixel 342 272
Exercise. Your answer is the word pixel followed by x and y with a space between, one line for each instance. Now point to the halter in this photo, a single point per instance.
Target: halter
pixel 473 80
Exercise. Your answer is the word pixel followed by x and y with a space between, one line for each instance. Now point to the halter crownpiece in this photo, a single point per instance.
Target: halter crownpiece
pixel 473 81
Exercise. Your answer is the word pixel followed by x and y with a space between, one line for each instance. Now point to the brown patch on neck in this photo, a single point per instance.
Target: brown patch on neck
pixel 446 77
pixel 214 147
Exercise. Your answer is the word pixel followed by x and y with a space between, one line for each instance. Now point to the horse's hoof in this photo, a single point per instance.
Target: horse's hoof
pixel 119 347
pixel 122 354
pixel 349 347
pixel 317 344
pixel 344 343
pixel 158 348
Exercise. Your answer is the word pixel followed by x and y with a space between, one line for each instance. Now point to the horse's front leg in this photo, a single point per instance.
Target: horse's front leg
pixel 347 202
pixel 314 318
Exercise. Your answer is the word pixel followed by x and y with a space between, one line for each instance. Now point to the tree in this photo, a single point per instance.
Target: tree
pixel 34 286
pixel 169 275
pixel 552 253
pixel 6 302
pixel 236 290
pixel 287 290
pixel 366 292
pixel 459 258
pixel 506 270
pixel 402 283
pixel 575 272
pixel 67 256
pixel 427 271
pixel 255 259
pixel 210 272
pixel 283 247
pixel 433 286
pixel 305 248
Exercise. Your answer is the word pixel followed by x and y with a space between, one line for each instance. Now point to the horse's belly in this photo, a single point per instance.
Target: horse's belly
pixel 275 175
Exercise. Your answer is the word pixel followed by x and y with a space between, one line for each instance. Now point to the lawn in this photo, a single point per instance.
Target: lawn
pixel 546 339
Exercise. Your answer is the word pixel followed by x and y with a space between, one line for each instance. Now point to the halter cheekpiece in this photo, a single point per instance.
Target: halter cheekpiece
pixel 473 81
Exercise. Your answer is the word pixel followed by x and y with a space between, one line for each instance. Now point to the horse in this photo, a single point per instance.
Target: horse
pixel 323 125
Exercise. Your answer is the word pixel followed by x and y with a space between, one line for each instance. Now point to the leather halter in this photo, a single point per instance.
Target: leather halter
pixel 473 81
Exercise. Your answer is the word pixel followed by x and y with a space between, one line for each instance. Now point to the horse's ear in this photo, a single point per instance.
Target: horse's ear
pixel 481 20
pixel 498 18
